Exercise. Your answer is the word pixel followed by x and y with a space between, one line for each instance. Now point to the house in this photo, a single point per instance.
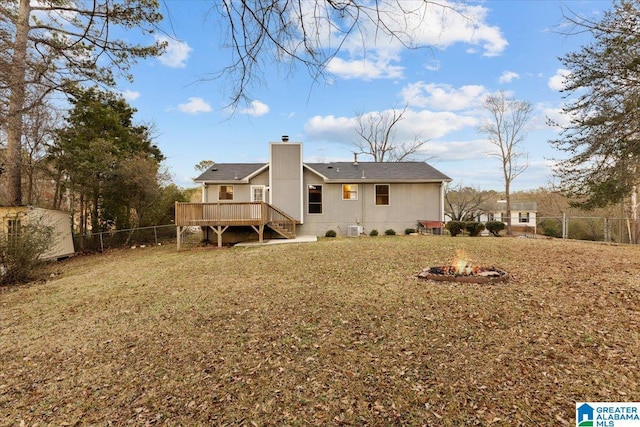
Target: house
pixel 13 218
pixel 523 215
pixel 287 197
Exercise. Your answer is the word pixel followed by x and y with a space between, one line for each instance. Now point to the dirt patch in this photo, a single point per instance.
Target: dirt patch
pixel 336 332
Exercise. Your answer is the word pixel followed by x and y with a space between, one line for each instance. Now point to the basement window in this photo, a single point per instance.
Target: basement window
pixel 350 192
pixel 226 192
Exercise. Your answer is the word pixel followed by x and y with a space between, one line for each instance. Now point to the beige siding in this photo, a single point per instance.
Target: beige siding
pixel 241 191
pixel 58 220
pixel 285 171
pixel 408 203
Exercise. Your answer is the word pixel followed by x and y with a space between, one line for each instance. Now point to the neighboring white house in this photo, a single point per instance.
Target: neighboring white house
pixel 523 215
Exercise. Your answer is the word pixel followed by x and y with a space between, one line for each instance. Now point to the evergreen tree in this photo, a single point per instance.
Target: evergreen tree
pixel 109 163
pixel 48 45
pixel 603 136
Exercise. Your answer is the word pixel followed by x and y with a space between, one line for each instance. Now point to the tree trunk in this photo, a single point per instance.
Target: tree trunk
pixel 17 73
pixel 508 198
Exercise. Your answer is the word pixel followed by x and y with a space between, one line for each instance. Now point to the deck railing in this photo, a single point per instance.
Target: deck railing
pixel 278 219
pixel 232 213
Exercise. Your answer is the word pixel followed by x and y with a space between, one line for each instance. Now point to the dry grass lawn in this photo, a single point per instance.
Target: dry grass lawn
pixel 338 332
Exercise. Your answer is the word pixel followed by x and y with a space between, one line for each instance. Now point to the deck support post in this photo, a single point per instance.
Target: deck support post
pixel 219 229
pixel 260 230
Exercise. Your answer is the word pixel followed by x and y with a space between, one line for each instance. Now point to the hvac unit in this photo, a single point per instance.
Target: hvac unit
pixel 353 231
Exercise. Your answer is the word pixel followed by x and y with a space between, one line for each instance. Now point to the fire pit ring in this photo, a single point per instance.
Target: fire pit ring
pixel 475 275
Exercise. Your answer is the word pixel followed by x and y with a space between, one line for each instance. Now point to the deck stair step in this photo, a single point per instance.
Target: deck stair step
pixel 280 229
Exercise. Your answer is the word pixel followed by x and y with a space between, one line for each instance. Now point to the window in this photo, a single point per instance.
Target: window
pixel 257 193
pixel 491 216
pixel 13 232
pixel 350 192
pixel 382 194
pixel 523 216
pixel 226 192
pixel 315 199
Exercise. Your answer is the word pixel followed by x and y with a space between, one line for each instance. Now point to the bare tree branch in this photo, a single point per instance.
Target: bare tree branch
pixel 506 131
pixel 377 134
pixel 311 33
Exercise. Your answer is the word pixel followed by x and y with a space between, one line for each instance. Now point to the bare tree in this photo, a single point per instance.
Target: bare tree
pixel 464 203
pixel 310 33
pixel 377 132
pixel 47 46
pixel 506 131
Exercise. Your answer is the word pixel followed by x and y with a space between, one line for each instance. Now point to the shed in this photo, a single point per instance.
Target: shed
pixel 12 217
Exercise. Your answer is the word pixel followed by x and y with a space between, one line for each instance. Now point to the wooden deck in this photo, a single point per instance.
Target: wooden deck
pixel 222 215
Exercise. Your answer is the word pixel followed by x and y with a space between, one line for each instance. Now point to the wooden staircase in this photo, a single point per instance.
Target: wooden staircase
pixel 280 222
pixel 281 229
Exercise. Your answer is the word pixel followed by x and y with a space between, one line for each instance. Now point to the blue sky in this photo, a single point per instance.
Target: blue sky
pixel 513 45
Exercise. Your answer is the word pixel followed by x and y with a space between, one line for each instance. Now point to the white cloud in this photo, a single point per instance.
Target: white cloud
pixel 557 116
pixel 331 128
pixel 176 53
pixel 453 151
pixel 440 25
pixel 130 95
pixel 256 109
pixel 442 96
pixel 508 77
pixel 371 53
pixel 426 124
pixel 194 106
pixel 557 81
pixel 365 69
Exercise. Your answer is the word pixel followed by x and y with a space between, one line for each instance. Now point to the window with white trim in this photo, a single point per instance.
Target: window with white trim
pixel 257 193
pixel 314 193
pixel 523 216
pixel 225 192
pixel 349 191
pixel 382 194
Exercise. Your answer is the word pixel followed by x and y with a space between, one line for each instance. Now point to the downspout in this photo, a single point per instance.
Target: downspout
pixel 441 201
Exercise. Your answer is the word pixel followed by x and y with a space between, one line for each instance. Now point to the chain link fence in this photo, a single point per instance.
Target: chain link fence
pixel 99 242
pixel 601 229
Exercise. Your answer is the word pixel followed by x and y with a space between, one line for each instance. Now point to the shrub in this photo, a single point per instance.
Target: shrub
pixel 409 230
pixel 454 227
pixel 20 253
pixel 551 228
pixel 373 233
pixel 390 232
pixel 473 228
pixel 330 233
pixel 495 227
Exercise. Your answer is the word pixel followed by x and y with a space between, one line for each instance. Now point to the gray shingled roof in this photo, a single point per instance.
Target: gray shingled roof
pixel 336 171
pixel 381 171
pixel 515 206
pixel 223 172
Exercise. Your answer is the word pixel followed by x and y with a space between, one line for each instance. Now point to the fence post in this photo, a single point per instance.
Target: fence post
pixel 155 234
pixel 101 243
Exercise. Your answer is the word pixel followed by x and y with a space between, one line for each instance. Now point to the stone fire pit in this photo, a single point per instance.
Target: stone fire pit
pixel 462 270
pixel 468 274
